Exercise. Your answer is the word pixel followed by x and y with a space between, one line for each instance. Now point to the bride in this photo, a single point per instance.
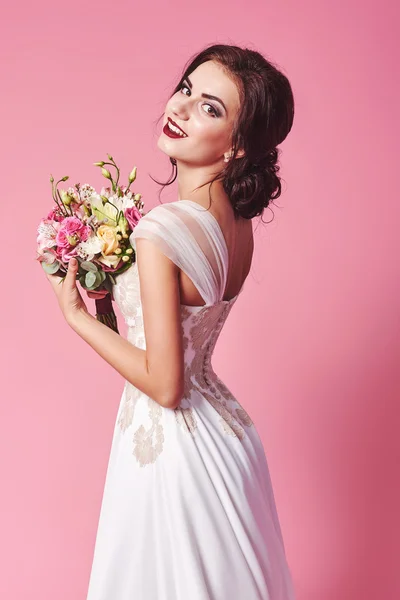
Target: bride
pixel 188 510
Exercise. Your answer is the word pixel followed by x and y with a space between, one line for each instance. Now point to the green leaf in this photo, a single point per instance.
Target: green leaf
pixel 51 268
pixel 90 279
pixel 108 283
pixel 93 284
pixel 88 266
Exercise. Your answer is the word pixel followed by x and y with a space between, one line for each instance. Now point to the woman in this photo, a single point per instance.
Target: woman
pixel 188 511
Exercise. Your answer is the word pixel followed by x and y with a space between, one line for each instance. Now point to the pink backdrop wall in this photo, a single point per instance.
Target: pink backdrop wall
pixel 312 346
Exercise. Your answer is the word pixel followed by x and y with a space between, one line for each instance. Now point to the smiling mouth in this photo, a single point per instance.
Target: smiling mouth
pixel 173 130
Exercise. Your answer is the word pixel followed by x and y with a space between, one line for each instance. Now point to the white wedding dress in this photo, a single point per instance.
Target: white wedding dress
pixel 188 510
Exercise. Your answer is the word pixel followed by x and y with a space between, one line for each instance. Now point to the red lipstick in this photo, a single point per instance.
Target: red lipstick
pixel 173 134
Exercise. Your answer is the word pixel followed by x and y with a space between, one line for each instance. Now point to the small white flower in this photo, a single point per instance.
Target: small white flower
pixel 81 253
pixel 114 199
pixel 93 245
pixel 105 191
pixel 122 202
pixel 86 191
pixel 128 201
pixel 93 197
pixel 73 193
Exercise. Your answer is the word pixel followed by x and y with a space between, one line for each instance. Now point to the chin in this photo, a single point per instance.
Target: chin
pixel 162 144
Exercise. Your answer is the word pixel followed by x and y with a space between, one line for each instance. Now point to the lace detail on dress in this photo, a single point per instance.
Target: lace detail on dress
pixel 149 443
pixel 185 415
pixel 131 395
pixel 199 375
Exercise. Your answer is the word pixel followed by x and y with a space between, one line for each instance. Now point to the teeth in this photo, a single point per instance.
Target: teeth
pixel 175 129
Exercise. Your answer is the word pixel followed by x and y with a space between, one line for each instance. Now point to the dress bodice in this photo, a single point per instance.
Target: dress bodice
pixel 190 236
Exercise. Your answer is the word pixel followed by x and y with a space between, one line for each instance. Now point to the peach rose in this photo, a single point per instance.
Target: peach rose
pixel 111 262
pixel 108 235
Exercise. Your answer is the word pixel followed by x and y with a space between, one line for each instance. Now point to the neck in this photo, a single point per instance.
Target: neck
pixel 190 177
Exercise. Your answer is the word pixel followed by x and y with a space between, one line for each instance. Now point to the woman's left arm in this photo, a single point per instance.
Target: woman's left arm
pixel 158 370
pixel 129 360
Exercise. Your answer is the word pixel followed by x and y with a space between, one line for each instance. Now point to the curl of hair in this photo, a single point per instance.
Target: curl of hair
pixel 250 179
pixel 252 186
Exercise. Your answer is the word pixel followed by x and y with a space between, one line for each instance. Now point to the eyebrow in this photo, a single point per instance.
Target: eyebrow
pixel 208 96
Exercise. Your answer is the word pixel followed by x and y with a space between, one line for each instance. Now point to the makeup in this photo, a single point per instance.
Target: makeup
pixel 172 130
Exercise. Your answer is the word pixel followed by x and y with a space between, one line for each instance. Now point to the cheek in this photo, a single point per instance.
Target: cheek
pixel 211 131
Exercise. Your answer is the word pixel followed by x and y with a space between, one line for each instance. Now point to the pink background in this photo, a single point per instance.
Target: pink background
pixel 312 346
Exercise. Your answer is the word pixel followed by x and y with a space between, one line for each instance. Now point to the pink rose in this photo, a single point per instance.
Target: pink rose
pixel 54 215
pixel 72 227
pixel 67 254
pixel 133 216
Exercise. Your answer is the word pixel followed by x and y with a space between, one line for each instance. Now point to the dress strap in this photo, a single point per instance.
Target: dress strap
pixel 190 236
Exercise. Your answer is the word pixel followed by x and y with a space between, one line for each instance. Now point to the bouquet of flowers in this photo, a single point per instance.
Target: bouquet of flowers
pixel 93 228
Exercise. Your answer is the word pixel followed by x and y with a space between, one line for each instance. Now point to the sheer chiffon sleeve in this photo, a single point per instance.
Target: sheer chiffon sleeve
pixel 190 236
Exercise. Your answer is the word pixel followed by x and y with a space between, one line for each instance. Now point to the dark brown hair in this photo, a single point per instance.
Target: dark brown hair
pixel 264 120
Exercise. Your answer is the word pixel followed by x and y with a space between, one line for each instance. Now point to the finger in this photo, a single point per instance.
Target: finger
pixel 70 278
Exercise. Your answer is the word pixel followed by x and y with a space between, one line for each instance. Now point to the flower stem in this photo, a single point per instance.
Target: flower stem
pixel 54 194
pixel 114 184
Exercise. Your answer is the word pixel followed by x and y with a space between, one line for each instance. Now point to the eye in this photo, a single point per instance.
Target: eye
pixel 214 112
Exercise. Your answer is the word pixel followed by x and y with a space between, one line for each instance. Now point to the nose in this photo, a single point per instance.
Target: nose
pixel 180 109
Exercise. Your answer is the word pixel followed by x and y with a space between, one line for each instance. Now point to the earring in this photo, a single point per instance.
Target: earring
pixel 227 157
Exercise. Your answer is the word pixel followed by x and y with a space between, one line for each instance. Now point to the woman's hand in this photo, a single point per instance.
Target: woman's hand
pixel 68 296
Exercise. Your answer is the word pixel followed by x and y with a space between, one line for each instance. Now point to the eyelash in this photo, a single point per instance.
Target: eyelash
pixel 216 112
